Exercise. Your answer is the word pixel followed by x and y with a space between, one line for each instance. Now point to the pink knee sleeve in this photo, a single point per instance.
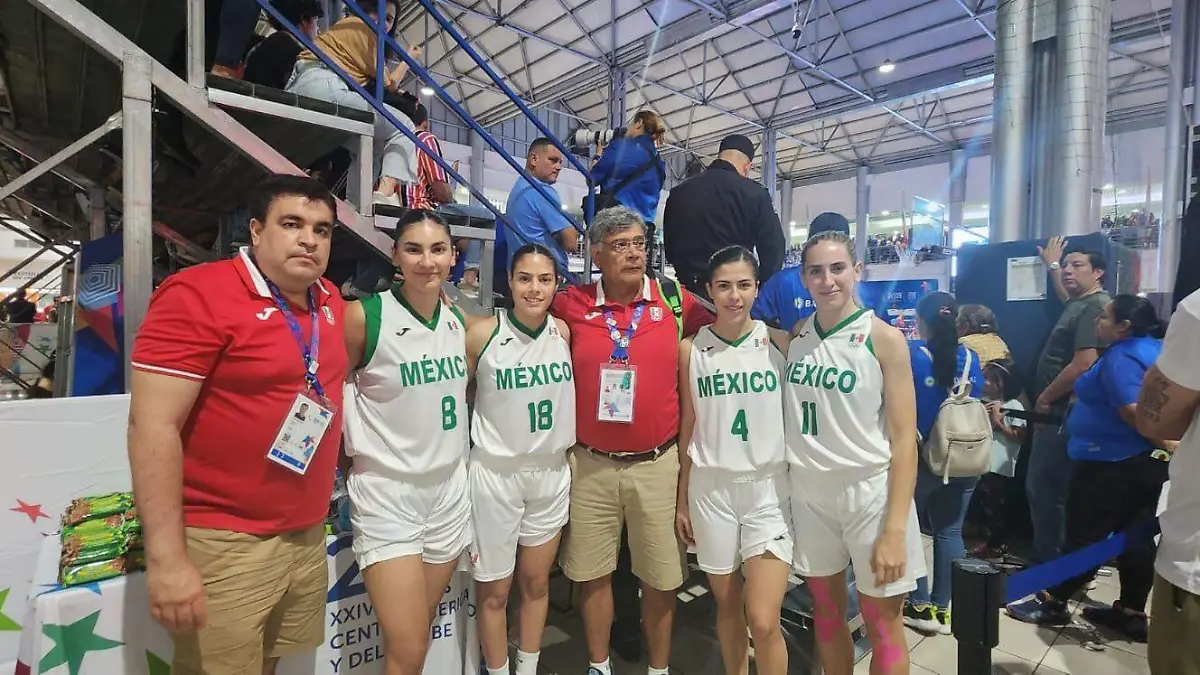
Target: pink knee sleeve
pixel 884 650
pixel 825 611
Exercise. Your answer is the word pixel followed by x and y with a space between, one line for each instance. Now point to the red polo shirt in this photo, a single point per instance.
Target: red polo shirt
pixel 653 350
pixel 217 324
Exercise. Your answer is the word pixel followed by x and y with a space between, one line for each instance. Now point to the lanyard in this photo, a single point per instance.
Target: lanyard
pixel 309 351
pixel 620 350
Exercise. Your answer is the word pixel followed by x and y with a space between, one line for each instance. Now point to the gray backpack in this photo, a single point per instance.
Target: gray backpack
pixel 960 442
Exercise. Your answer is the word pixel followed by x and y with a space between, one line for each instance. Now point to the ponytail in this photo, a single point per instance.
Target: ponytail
pixel 1141 315
pixel 939 312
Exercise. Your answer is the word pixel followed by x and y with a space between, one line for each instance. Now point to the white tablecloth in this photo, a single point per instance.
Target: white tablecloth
pixel 106 629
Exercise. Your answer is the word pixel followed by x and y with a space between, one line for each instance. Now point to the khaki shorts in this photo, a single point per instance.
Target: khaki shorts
pixel 1174 625
pixel 607 495
pixel 265 598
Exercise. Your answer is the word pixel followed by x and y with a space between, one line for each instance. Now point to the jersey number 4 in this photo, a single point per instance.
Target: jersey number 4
pixel 739 427
pixel 541 416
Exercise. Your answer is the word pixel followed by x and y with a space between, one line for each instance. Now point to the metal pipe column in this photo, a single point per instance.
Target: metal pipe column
pixel 770 170
pixel 618 115
pixel 958 190
pixel 1176 149
pixel 1014 84
pixel 1083 28
pixel 1040 141
pixel 862 210
pixel 476 166
pixel 785 208
pixel 137 223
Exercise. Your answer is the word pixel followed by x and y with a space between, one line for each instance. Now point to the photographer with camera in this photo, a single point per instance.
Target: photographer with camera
pixel 630 173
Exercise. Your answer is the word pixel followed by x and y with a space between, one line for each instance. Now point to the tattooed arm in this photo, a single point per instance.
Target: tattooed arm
pixel 1165 409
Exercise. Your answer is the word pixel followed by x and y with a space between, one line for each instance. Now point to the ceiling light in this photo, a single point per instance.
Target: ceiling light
pixel 885 213
pixel 887 66
pixel 427 91
pixel 1107 186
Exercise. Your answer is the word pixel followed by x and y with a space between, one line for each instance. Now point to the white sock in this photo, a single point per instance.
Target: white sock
pixel 651 670
pixel 502 670
pixel 605 666
pixel 527 662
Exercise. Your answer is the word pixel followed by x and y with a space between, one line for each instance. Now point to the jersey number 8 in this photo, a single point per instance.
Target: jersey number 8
pixel 449 413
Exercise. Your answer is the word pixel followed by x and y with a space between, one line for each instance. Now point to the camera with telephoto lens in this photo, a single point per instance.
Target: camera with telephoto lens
pixel 583 138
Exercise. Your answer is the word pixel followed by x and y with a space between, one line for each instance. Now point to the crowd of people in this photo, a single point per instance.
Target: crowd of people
pixel 623 415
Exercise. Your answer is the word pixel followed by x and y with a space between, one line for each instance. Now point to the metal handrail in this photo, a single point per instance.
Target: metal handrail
pixel 379 107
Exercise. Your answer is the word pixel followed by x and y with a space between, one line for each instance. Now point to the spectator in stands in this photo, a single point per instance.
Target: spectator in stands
pixel 977 331
pixel 350 44
pixel 1117 478
pixel 721 207
pixel 1072 348
pixel 232 504
pixel 938 364
pixel 271 61
pixel 627 439
pixel 630 172
pixel 534 219
pixel 235 28
pixel 19 309
pixel 783 300
pixel 1168 407
pixel 432 187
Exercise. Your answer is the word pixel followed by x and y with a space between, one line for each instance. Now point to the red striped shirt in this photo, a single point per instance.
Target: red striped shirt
pixel 420 194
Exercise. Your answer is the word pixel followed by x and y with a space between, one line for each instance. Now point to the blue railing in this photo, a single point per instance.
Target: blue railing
pixel 384 40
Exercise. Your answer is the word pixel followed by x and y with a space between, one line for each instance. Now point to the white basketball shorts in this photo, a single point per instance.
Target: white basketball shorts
pixel 836 522
pixel 396 516
pixel 736 517
pixel 523 502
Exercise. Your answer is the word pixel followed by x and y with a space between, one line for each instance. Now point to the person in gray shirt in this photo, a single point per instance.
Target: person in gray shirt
pixel 1070 350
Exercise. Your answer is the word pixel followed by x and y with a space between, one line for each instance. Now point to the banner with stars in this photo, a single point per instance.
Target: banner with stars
pixel 57 449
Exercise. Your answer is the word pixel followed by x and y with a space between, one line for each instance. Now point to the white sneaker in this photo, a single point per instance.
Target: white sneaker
pixel 387 200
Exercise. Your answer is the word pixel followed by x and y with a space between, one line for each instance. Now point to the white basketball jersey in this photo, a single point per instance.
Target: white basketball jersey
pixel 735 390
pixel 524 392
pixel 833 398
pixel 406 409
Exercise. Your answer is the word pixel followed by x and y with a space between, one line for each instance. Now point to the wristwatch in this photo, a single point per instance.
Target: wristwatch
pixel 1053 266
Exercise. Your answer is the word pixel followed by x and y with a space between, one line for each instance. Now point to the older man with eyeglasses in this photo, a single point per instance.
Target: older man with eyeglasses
pixel 625 333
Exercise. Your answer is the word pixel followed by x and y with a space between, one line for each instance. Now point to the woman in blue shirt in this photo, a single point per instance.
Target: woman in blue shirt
pixel 1117 479
pixel 633 160
pixel 937 364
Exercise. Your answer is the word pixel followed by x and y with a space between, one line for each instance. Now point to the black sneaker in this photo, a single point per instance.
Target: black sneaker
pixel 1134 627
pixel 1041 609
pixel 921 618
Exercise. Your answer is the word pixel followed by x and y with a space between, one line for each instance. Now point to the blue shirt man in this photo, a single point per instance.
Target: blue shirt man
pixel 783 300
pixel 532 217
pixel 1095 430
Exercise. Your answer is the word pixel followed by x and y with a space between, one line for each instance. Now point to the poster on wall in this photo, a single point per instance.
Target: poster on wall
pixel 99 320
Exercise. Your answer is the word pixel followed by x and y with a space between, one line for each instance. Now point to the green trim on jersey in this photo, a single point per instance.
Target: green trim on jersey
pixel 495 332
pixel 841 324
pixel 458 312
pixel 871 346
pixel 531 332
pixel 736 343
pixel 430 323
pixel 373 311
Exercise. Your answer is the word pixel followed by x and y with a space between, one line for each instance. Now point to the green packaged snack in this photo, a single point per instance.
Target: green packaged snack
pixel 96 571
pixel 89 553
pixel 97 507
pixel 96 526
pixel 77 540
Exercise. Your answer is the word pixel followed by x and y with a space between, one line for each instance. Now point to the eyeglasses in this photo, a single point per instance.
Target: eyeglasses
pixel 623 245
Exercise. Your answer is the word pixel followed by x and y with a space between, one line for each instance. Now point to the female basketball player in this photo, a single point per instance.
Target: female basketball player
pixel 406 432
pixel 847 380
pixel 524 422
pixel 732 505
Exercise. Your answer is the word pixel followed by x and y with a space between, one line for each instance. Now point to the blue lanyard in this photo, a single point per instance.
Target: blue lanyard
pixel 620 350
pixel 309 351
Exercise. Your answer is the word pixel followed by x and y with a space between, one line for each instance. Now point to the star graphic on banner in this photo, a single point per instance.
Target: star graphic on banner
pixel 93 586
pixel 72 642
pixel 34 511
pixel 21 669
pixel 156 665
pixel 5 622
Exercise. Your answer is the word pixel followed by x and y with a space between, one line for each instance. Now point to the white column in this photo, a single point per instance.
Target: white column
pixel 1173 193
pixel 137 221
pixel 862 208
pixel 958 190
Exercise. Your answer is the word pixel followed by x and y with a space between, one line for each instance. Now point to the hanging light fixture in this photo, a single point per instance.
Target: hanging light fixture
pixel 887 66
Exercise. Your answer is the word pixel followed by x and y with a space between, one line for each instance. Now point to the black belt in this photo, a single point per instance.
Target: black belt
pixel 632 457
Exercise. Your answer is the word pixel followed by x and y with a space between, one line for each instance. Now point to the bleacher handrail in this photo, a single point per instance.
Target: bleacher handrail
pixel 385 39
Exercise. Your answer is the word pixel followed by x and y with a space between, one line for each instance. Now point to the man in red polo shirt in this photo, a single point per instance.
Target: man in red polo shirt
pixel 234 428
pixel 625 466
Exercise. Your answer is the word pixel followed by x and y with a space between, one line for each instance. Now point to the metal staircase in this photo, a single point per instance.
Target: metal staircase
pixel 262 132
